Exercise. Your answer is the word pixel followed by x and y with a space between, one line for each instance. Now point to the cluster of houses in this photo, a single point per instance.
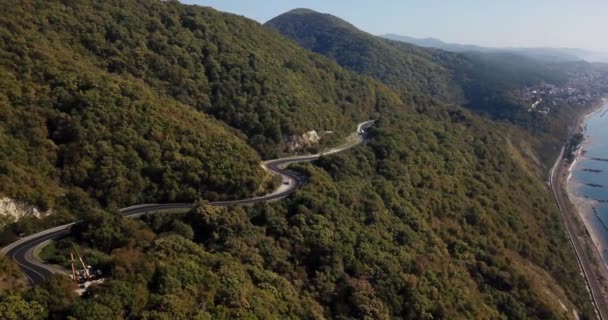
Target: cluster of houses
pixel 582 89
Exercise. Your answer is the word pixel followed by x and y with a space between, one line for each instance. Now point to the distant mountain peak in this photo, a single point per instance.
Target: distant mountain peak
pixel 310 16
pixel 302 11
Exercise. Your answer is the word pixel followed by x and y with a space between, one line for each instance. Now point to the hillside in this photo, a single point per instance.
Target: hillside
pixel 121 100
pixel 402 66
pixel 220 64
pixel 486 83
pixel 433 219
pixel 106 104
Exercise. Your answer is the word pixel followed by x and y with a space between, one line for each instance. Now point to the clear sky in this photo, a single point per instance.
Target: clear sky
pixel 497 23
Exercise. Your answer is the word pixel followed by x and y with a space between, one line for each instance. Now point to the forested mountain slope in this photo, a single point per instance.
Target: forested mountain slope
pixel 486 83
pixel 433 219
pixel 117 98
pixel 109 103
pixel 408 68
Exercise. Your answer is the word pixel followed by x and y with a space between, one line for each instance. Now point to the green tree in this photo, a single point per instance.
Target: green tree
pixel 13 307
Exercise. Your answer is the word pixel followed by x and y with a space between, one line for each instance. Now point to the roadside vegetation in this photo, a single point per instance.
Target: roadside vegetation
pixel 572 147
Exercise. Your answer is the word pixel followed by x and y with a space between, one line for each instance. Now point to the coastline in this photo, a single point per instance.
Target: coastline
pixel 580 121
pixel 589 258
pixel 584 207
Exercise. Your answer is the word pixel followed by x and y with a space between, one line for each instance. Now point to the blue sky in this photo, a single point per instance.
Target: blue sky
pixel 530 23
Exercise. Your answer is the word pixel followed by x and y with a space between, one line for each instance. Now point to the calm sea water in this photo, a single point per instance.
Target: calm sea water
pixel 595 148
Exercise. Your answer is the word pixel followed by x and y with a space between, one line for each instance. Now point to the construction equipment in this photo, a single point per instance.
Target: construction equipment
pixel 73 267
pixel 83 275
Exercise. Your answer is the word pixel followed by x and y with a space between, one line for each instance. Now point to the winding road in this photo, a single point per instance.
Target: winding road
pixel 22 251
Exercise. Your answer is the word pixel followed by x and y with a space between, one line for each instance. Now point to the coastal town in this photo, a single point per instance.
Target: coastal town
pixel 582 88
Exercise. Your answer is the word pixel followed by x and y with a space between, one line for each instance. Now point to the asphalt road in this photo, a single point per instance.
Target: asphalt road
pixel 22 250
pixel 557 182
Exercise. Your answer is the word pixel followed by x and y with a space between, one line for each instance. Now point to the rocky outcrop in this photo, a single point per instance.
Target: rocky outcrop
pixel 11 210
pixel 303 141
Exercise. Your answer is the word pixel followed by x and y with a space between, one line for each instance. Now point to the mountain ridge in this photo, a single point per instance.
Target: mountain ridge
pixel 540 53
pixel 490 84
pixel 451 77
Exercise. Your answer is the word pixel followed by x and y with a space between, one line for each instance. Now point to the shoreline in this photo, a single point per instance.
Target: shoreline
pixel 584 207
pixel 593 270
pixel 585 211
pixel 580 121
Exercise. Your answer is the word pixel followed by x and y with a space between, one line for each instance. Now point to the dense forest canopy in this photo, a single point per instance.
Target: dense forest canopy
pixel 109 103
pixel 430 220
pixel 120 100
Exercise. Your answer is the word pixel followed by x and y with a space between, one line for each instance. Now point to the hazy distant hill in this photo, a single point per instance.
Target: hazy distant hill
pixel 547 54
pixel 434 43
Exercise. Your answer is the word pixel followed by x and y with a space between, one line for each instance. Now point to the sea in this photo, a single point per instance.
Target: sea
pixel 588 183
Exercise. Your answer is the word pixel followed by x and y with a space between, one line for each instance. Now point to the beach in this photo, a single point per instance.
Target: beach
pixel 587 182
